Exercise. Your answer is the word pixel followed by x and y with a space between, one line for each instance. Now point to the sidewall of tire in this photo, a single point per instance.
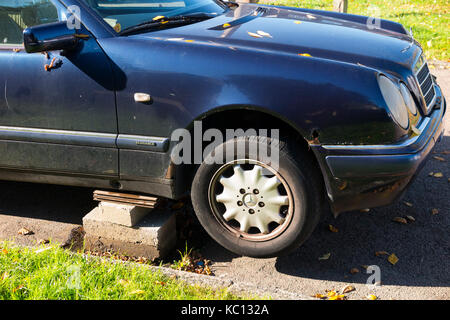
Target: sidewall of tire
pixel 299 226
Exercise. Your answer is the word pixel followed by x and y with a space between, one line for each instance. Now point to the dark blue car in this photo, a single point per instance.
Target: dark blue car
pixel 112 94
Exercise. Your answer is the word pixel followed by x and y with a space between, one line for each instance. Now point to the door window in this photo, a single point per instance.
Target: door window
pixel 16 15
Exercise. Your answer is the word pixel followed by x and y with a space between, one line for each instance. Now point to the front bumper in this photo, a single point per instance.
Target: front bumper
pixel 359 177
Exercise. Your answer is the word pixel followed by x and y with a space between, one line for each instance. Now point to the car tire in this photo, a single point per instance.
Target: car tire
pixel 224 210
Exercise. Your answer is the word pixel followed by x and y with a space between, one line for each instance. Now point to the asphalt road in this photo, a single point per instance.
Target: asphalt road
pixel 423 246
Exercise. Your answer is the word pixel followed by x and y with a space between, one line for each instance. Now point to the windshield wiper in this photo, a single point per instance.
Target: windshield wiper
pixel 164 22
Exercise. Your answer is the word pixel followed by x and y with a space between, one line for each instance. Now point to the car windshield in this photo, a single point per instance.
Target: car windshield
pixel 123 14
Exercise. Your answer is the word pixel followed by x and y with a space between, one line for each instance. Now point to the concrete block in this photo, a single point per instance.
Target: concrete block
pixel 153 237
pixel 126 215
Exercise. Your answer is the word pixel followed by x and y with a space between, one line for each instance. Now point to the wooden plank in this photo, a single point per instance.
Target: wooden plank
pixel 126 198
pixel 125 195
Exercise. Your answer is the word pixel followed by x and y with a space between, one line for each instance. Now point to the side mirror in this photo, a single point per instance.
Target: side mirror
pixel 50 37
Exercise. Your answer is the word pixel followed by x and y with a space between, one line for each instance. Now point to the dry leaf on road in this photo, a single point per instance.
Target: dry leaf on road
pixel 381 253
pixel 348 289
pixel 409 204
pixel 372 297
pixel 434 211
pixel 438 175
pixel 411 218
pixel 25 232
pixel 439 158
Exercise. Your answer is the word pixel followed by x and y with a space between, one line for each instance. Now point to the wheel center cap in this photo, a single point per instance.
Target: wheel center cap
pixel 250 200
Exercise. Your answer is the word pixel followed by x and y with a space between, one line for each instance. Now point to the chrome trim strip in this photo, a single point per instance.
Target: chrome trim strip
pixel 426 78
pixel 144 143
pixel 82 138
pixel 431 87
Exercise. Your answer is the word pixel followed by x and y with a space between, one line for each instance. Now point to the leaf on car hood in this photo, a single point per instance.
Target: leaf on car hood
pixel 333 228
pixel 393 259
pixel 254 35
pixel 264 34
pixel 409 204
pixel 400 220
pixel 326 256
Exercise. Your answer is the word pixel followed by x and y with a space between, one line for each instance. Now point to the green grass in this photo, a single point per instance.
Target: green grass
pixel 429 19
pixel 54 273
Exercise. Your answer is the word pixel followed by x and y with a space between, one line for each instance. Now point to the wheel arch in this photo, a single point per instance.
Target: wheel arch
pixel 244 117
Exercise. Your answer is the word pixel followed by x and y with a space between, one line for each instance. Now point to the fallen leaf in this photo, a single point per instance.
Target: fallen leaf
pixel 337 297
pixel 25 232
pixel 137 292
pixel 319 296
pixel 4 251
pixel 381 253
pixel 409 204
pixel 348 289
pixel 434 211
pixel 326 256
pixel 438 175
pixel 226 25
pixel 304 54
pixel 372 297
pixel 393 259
pixel 18 288
pixel 431 173
pixel 264 34
pixel 332 228
pixel 400 220
pixel 439 158
pixel 331 293
pixel 158 18
pixel 4 275
pixel 411 218
pixel 354 270
pixel 254 35
pixel 364 210
pixel 445 152
pixel 43 241
pixel 123 282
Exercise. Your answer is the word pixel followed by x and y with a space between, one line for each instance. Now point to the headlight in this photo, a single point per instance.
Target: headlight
pixel 409 100
pixel 394 101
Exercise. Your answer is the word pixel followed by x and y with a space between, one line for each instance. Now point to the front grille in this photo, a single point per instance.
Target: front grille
pixel 426 82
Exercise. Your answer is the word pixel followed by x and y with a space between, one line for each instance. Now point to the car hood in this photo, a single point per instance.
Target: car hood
pixel 278 30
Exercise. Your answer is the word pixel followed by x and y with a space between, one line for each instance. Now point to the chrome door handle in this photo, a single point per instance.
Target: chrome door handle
pixel 142 97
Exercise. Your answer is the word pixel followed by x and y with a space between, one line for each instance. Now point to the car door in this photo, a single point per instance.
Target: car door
pixel 60 119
